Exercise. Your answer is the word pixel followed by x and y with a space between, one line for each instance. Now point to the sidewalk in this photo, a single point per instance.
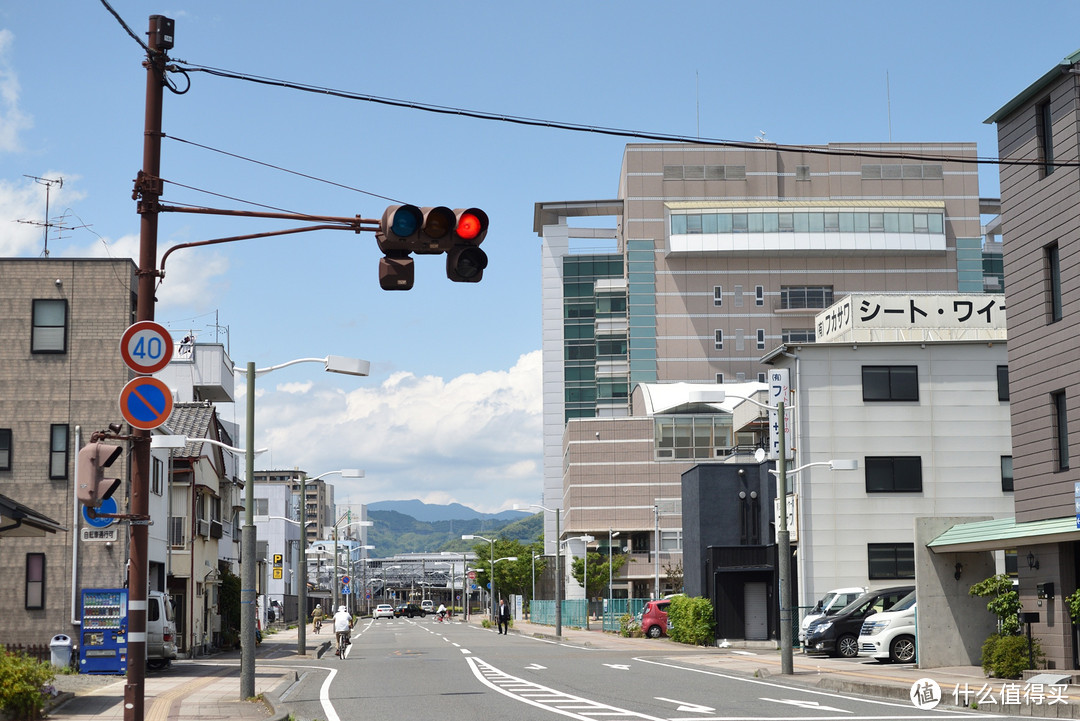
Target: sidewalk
pixel 194 689
pixel 960 686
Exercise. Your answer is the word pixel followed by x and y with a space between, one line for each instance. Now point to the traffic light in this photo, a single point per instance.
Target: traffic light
pixel 407 229
pixel 94 487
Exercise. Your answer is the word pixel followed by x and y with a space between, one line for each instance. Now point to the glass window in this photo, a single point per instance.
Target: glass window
pixel 877 221
pixel 49 334
pixel 802 223
pixel 862 222
pixel 921 223
pixel 157 477
pixel 693 224
pixel 794 297
pixel 935 223
pixel 678 225
pixel 754 222
pixel 1053 282
pixel 670 541
pixel 761 340
pixel 896 474
pixel 759 295
pixel 847 222
pixel 890 560
pixel 890 383
pixel 1003 383
pixel 718 295
pixel 785 222
pixel 718 341
pixel 5 449
pixel 892 222
pixel 1046 137
pixel 58 452
pixel 817 222
pixel 907 222
pixel 771 221
pixel 262 507
pixel 738 222
pixel 1061 429
pixel 832 221
pixel 720 378
pixel 35 581
pixel 723 223
pixel 1006 473
pixel 709 223
pixel 797 335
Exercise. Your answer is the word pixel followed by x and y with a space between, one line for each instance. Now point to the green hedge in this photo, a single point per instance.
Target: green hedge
pixel 692 621
pixel 1007 656
pixel 25 684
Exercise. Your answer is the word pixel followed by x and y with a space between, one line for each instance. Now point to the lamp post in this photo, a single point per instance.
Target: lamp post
pixel 332 364
pixel 491 591
pixel 610 554
pixel 504 558
pixel 558 571
pixel 533 597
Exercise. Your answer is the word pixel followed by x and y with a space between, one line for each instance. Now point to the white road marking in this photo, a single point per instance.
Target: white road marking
pixel 687 706
pixel 806 704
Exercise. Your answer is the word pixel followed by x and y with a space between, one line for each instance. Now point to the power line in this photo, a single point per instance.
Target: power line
pixel 126 27
pixel 600 130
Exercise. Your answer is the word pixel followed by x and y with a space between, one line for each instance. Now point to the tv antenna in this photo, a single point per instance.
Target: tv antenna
pixel 48 183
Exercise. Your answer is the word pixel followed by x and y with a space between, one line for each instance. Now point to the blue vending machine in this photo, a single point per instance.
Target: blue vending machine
pixel 103 644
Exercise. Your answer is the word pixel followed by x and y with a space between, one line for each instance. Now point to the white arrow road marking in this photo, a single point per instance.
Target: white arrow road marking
pixel 687 706
pixel 806 704
pixel 535 667
pixel 620 666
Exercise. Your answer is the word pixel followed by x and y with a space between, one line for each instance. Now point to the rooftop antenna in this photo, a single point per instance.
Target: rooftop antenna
pixel 48 183
pixel 697 93
pixel 888 102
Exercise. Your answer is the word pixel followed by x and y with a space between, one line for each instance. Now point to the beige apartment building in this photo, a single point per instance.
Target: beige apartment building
pixel 708 258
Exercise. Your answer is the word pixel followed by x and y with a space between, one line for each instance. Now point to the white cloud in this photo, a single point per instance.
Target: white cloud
pixel 12 119
pixel 475 439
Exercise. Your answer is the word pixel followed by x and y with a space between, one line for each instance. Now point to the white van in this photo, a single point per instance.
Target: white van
pixel 829 604
pixel 427 605
pixel 890 636
pixel 160 630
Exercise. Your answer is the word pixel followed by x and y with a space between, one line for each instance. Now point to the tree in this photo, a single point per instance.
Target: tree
pixel 1004 602
pixel 674 576
pixel 599 563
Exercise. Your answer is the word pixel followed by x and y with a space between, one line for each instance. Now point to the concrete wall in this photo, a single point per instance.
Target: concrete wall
pixel 951 624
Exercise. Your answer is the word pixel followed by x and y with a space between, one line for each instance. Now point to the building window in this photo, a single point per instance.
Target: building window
pixel 890 560
pixel 35 580
pixel 890 383
pixel 1061 429
pixel 718 341
pixel 1046 137
pixel 759 295
pixel 802 172
pixel 1053 282
pixel 670 541
pixel 157 475
pixel 760 377
pixel 58 452
pixel 5 449
pixel 893 474
pixel 797 335
pixel 1006 473
pixel 798 297
pixel 761 339
pixel 1003 383
pixel 49 333
pixel 718 295
pixel 720 378
pixel 262 507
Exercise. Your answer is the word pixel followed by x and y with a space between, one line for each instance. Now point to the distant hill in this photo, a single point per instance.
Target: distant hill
pixel 394 532
pixel 430 512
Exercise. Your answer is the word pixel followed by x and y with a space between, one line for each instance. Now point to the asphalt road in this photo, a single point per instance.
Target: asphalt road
pixel 418 668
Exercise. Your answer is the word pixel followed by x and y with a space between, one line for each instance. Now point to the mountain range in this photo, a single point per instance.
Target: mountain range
pixel 430 512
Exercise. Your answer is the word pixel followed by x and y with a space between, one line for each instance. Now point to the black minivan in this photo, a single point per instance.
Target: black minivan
pixel 838 635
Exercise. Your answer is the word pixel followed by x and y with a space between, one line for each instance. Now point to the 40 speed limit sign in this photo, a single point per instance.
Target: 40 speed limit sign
pixel 146 347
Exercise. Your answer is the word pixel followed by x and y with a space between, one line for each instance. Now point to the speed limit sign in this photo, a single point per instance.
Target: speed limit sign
pixel 146 347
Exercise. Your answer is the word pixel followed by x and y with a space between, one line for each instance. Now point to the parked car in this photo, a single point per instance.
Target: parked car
pixel 890 635
pixel 409 610
pixel 383 610
pixel 829 604
pixel 654 618
pixel 838 635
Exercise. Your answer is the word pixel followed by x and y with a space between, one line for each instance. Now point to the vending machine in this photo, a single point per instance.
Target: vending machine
pixel 103 644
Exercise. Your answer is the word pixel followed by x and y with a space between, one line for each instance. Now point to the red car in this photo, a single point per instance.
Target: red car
pixel 654 618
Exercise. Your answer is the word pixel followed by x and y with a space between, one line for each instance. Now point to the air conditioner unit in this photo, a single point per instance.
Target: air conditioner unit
pixel 203 528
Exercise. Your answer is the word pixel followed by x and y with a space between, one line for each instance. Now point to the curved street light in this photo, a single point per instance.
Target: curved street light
pixel 558 574
pixel 491 591
pixel 332 364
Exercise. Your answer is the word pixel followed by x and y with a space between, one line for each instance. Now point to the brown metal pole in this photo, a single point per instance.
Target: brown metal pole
pixel 150 190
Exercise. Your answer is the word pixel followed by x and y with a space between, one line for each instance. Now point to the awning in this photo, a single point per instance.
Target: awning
pixel 1004 533
pixel 19 520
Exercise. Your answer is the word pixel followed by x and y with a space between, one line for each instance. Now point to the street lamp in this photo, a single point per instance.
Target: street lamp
pixel 533 597
pixel 504 558
pixel 558 573
pixel 610 587
pixel 491 591
pixel 332 364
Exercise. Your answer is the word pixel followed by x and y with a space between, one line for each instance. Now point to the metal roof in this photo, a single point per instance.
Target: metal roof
pixel 1003 533
pixel 1036 88
pixel 26 521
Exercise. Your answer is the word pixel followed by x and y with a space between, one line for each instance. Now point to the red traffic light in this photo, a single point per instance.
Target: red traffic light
pixel 93 487
pixel 472 225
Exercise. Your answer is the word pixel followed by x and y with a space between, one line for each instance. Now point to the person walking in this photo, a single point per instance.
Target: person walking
pixel 503 617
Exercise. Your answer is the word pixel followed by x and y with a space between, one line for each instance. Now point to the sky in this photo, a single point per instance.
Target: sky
pixel 452 409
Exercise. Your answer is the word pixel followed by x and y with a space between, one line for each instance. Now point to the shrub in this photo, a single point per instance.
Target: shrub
pixel 1004 602
pixel 25 684
pixel 691 620
pixel 1007 656
pixel 629 627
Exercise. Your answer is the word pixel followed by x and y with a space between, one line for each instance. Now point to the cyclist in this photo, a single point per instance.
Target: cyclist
pixel 442 612
pixel 317 617
pixel 342 623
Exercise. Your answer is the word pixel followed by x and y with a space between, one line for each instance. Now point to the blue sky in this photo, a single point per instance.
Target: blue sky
pixel 451 411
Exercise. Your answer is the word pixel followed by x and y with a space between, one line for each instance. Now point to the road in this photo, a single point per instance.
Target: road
pixel 419 668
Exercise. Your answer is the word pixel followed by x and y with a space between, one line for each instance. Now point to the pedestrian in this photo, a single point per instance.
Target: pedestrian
pixel 503 617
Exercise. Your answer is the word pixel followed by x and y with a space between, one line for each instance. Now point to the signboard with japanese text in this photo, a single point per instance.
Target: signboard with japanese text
pixel 111 535
pixel 277 574
pixel 780 392
pixel 912 316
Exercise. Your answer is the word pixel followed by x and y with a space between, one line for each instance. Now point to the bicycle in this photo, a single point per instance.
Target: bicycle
pixel 342 643
pixel 318 625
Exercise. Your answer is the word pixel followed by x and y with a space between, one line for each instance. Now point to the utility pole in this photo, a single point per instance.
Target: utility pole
pixel 148 191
